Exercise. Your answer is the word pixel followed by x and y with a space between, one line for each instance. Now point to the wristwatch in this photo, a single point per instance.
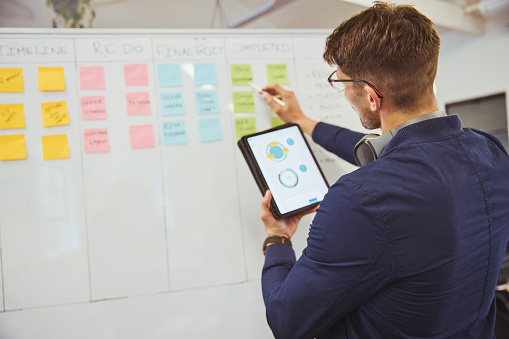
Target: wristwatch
pixel 276 239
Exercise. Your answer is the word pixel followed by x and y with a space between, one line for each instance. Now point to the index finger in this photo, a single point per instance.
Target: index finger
pixel 273 89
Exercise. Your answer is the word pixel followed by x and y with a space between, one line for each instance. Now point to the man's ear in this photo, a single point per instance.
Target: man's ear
pixel 374 101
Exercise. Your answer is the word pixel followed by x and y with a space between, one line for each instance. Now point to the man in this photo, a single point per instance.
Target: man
pixel 407 246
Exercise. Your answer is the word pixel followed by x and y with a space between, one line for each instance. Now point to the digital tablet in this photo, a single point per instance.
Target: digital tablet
pixel 280 160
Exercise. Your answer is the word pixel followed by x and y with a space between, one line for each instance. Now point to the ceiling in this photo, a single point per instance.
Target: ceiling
pixel 207 14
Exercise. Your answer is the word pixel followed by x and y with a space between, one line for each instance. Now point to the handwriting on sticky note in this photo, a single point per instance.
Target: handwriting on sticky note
pixel 136 74
pixel 244 126
pixel 51 79
pixel 242 75
pixel 96 140
pixel 277 74
pixel 169 75
pixel 11 80
pixel 12 116
pixel 55 147
pixel 172 103
pixel 142 136
pixel 93 107
pixel 210 130
pixel 13 147
pixel 206 102
pixel 54 113
pixel 243 102
pixel 205 74
pixel 92 77
pixel 174 132
pixel 138 103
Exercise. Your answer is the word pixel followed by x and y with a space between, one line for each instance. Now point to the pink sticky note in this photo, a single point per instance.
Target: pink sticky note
pixel 138 103
pixel 136 74
pixel 92 77
pixel 96 140
pixel 93 107
pixel 142 136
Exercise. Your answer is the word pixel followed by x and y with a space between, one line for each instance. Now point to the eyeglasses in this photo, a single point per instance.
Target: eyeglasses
pixel 339 85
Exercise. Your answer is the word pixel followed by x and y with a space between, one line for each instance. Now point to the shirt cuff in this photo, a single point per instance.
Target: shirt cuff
pixel 279 253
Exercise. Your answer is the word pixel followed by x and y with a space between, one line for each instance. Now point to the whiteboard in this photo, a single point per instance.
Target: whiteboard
pixel 157 235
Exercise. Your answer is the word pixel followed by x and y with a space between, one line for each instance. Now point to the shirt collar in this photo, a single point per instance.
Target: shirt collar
pixel 426 131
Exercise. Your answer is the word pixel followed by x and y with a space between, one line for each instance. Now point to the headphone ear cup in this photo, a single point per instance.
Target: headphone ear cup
pixel 364 153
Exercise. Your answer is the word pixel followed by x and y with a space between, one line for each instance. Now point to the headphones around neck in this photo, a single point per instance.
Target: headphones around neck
pixel 371 146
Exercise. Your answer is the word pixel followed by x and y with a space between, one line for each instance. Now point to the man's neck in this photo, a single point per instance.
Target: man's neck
pixel 390 119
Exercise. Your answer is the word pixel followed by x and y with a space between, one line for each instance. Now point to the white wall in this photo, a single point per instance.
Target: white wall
pixel 473 66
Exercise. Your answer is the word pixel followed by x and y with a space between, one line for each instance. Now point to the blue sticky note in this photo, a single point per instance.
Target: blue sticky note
pixel 209 130
pixel 206 102
pixel 172 103
pixel 174 132
pixel 169 75
pixel 205 74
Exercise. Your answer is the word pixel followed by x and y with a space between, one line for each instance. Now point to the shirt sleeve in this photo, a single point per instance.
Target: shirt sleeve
pixel 337 140
pixel 347 260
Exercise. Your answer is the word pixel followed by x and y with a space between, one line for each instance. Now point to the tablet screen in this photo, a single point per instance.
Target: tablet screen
pixel 288 168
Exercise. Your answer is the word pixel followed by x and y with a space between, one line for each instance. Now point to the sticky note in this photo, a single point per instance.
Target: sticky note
pixel 55 147
pixel 276 121
pixel 12 116
pixel 11 80
pixel 54 113
pixel 209 130
pixel 242 75
pixel 51 79
pixel 93 107
pixel 96 140
pixel 136 74
pixel 174 132
pixel 205 74
pixel 13 147
pixel 92 77
pixel 206 102
pixel 142 136
pixel 244 126
pixel 172 103
pixel 277 74
pixel 243 102
pixel 138 103
pixel 169 75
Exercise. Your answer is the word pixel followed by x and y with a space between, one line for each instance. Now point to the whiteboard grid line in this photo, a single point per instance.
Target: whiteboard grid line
pixel 159 122
pixel 80 127
pixel 237 174
pixel 96 301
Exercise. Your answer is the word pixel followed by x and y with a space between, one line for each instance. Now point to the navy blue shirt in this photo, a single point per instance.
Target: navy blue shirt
pixel 409 246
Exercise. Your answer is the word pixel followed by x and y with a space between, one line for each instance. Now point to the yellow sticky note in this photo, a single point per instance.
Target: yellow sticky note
pixel 243 102
pixel 51 79
pixel 55 147
pixel 277 74
pixel 276 121
pixel 13 147
pixel 244 126
pixel 54 113
pixel 11 80
pixel 12 116
pixel 242 75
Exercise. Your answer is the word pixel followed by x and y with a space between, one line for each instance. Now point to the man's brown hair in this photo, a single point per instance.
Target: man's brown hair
pixel 395 47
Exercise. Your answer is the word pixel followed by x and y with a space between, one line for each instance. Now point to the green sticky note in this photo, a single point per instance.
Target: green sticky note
pixel 242 75
pixel 277 74
pixel 244 126
pixel 276 121
pixel 243 102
